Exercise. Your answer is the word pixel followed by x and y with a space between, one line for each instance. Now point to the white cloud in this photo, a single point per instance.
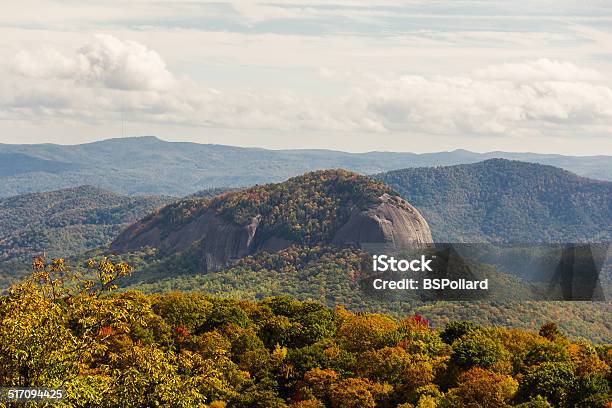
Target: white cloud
pixel 539 70
pixel 513 99
pixel 107 62
pixel 81 14
pixel 43 63
pixel 399 69
pixel 469 106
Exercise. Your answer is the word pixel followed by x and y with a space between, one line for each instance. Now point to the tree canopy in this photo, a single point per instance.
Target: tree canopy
pixel 63 328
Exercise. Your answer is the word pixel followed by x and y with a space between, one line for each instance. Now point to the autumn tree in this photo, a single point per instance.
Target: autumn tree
pixel 108 347
pixel 358 393
pixel 361 332
pixel 480 388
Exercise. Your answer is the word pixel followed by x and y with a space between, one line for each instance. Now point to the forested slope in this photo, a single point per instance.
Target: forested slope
pixel 148 165
pixel 507 201
pixel 66 222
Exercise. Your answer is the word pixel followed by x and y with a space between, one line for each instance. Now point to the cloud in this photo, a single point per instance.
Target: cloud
pixel 539 70
pixel 253 11
pixel 467 106
pixel 107 62
pixel 93 84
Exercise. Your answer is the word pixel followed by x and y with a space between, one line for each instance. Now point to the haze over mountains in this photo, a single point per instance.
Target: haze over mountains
pixel 148 165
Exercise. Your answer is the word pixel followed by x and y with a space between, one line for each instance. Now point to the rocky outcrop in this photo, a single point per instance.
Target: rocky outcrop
pixel 392 222
pixel 218 241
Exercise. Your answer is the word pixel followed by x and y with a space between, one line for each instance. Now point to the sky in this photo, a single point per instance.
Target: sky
pixel 351 75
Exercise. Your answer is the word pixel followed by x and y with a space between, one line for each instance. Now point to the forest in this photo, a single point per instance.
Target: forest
pixel 332 275
pixel 67 222
pixel 507 201
pixel 71 328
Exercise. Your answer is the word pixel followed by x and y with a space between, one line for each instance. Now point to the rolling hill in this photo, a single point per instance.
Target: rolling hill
pixel 148 165
pixel 507 201
pixel 66 222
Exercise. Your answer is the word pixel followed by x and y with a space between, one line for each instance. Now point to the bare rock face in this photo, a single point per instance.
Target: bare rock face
pixel 392 221
pixel 220 242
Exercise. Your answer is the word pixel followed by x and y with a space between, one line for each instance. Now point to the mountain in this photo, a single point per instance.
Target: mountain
pixel 12 164
pixel 69 221
pixel 500 200
pixel 148 165
pixel 186 241
pixel 312 269
pixel 212 192
pixel 333 207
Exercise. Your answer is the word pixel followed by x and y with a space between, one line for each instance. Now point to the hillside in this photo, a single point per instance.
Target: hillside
pixel 332 276
pixel 325 207
pixel 212 192
pixel 12 164
pixel 148 165
pixel 313 268
pixel 66 222
pixel 507 201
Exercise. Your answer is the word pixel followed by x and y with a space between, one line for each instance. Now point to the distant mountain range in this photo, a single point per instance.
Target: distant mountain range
pixel 148 165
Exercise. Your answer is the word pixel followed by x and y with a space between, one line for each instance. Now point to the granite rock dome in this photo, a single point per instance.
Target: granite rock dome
pixel 332 207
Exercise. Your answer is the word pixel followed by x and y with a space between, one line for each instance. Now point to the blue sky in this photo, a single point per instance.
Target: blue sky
pixel 352 75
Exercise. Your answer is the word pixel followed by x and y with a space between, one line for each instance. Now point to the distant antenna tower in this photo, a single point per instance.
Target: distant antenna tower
pixel 122 121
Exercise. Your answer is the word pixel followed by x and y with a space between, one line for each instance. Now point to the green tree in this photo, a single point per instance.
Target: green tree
pixel 454 330
pixel 592 391
pixel 188 310
pixel 554 381
pixel 476 349
pixel 546 352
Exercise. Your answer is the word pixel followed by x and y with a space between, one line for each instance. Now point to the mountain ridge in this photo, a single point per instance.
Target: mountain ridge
pixel 151 166
pixel 501 200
